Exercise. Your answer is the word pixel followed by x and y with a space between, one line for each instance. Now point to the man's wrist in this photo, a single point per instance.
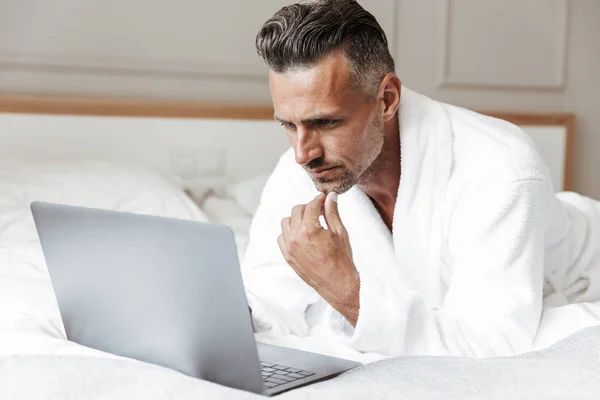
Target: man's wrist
pixel 353 299
pixel 347 300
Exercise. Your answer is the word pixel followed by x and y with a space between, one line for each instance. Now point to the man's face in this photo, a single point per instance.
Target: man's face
pixel 336 134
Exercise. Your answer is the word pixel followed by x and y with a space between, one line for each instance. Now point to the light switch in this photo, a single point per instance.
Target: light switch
pixel 183 164
pixel 210 162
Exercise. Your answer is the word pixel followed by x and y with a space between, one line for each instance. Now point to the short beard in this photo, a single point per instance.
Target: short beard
pixel 381 163
pixel 340 184
pixel 347 179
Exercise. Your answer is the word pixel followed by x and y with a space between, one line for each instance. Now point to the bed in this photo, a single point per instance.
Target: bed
pixel 207 162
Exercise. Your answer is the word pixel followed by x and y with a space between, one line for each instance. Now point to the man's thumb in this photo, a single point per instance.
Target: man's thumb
pixel 332 215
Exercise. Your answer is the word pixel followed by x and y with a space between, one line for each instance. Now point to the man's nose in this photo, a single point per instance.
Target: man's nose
pixel 307 148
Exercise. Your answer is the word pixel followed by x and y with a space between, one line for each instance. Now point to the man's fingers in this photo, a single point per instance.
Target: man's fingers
pixel 285 227
pixel 297 215
pixel 285 234
pixel 282 245
pixel 313 210
pixel 332 215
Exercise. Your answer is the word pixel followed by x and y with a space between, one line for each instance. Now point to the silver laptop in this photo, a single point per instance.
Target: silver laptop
pixel 167 292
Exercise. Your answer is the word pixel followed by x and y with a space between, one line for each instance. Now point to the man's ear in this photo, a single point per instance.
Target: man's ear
pixel 390 89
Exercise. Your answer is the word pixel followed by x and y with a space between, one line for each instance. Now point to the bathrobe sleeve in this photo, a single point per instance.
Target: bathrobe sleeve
pixel 277 296
pixel 493 305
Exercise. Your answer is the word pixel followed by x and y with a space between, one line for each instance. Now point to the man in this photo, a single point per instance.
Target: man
pixel 397 224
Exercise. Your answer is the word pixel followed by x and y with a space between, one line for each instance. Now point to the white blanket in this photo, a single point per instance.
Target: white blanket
pixel 479 241
pixel 531 376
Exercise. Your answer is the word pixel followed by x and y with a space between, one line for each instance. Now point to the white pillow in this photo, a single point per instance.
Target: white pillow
pixel 116 186
pixel 247 193
pixel 26 296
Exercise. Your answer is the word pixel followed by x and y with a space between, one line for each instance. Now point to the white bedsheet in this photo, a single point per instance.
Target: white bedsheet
pixel 568 370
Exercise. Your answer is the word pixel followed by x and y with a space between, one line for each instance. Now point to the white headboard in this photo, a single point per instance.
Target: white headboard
pixel 192 140
pixel 190 148
pixel 197 141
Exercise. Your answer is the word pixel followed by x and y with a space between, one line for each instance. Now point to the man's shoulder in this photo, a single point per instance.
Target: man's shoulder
pixel 496 133
pixel 494 147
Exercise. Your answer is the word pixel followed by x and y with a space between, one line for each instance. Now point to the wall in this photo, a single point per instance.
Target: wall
pixel 538 55
pixel 541 55
pixel 583 93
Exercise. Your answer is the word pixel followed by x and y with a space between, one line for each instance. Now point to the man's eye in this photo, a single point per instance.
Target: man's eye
pixel 288 125
pixel 327 122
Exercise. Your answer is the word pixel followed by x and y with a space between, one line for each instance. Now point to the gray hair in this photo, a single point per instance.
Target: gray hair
pixel 299 35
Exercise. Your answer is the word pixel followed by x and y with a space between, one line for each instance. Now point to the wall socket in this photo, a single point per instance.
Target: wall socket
pixel 204 162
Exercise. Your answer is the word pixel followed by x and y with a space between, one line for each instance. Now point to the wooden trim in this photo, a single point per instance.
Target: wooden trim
pixel 531 118
pixel 32 104
pixel 570 152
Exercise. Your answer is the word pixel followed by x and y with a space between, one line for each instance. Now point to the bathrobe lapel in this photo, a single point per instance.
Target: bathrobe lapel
pixel 413 252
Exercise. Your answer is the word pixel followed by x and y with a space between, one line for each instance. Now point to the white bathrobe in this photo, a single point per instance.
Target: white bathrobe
pixel 480 240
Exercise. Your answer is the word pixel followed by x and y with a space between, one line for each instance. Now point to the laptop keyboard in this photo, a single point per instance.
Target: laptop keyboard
pixel 275 374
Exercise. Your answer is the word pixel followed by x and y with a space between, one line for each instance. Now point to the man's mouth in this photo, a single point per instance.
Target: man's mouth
pixel 322 172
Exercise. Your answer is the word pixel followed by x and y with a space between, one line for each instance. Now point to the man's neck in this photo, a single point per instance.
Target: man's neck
pixel 382 184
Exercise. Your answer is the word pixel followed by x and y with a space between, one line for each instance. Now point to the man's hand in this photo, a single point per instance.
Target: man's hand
pixel 322 257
